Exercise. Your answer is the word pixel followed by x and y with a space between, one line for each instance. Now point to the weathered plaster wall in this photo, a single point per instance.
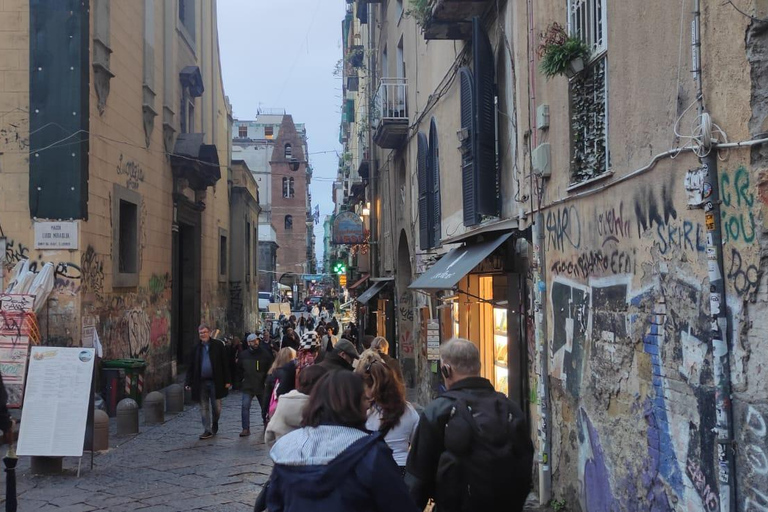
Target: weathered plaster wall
pixel 629 330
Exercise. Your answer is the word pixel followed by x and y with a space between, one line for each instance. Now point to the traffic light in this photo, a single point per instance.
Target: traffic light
pixel 339 268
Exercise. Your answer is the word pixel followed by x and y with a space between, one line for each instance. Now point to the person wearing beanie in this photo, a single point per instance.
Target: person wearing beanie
pixel 254 364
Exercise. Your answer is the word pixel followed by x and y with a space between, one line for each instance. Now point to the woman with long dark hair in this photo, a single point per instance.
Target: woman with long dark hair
pixel 332 463
pixel 388 411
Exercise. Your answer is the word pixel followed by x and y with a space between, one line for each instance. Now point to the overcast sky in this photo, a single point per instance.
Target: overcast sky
pixel 281 54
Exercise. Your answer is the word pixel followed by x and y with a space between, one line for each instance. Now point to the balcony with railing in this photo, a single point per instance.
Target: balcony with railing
pixel 391 113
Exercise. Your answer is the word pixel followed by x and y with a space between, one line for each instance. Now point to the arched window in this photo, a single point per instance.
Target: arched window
pixel 288 222
pixel 288 188
pixel 288 152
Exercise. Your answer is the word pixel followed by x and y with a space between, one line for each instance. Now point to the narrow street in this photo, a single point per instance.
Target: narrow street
pixel 164 468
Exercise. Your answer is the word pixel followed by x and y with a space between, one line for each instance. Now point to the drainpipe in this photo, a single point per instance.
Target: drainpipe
pixel 373 171
pixel 717 299
pixel 540 286
pixel 720 352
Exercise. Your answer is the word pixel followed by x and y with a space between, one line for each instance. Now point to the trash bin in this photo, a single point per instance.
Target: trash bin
pixel 134 376
pixel 112 389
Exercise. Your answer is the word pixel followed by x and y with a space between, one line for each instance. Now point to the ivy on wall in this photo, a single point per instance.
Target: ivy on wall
pixel 588 123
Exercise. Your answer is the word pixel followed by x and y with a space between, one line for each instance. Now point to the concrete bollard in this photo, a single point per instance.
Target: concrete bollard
pixel 154 408
pixel 174 398
pixel 47 465
pixel 127 417
pixel 100 430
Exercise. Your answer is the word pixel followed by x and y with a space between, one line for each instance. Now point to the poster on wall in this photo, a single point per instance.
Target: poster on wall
pixel 14 344
pixel 56 402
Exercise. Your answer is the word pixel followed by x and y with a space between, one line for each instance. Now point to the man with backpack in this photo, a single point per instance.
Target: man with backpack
pixel 472 450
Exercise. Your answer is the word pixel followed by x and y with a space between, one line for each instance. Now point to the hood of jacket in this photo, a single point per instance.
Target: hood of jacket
pixel 317 460
pixel 291 407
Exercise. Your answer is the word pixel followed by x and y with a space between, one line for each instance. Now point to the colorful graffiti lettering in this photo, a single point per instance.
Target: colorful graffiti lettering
pixel 737 225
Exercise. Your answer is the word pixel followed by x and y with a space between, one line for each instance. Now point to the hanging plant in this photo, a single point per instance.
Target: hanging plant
pixel 421 11
pixel 560 53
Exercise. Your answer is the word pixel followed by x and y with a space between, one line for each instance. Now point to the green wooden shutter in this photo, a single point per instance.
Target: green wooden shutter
pixel 488 202
pixel 468 169
pixel 424 214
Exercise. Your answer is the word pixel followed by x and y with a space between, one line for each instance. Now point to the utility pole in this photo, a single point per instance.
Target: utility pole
pixel 542 352
pixel 719 327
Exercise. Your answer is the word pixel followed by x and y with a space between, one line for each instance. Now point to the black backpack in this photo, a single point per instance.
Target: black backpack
pixel 488 462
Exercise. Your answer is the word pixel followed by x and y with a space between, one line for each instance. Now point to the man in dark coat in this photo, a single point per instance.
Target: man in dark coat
pixel 341 357
pixel 209 379
pixel 291 339
pixel 254 363
pixel 447 461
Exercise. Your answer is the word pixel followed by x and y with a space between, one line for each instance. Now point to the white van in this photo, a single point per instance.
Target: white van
pixel 264 299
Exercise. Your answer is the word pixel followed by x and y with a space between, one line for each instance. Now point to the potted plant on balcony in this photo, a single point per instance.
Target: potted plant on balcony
pixel 356 56
pixel 421 11
pixel 560 53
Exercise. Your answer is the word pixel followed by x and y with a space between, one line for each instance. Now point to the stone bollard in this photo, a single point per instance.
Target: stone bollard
pixel 188 397
pixel 47 465
pixel 154 408
pixel 100 430
pixel 127 417
pixel 174 397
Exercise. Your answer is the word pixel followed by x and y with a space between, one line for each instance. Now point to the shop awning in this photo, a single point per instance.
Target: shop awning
pixel 358 282
pixel 491 228
pixel 449 270
pixel 371 292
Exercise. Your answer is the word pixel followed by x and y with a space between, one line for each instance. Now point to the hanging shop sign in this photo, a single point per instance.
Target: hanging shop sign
pixel 348 229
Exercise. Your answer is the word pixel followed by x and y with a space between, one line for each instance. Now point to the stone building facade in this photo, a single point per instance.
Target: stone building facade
pixel 633 337
pixel 275 149
pixel 126 134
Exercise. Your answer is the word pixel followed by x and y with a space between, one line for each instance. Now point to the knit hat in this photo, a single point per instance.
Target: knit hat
pixel 250 338
pixel 309 340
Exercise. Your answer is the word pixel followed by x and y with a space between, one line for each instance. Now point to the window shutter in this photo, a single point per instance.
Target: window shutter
pixel 468 174
pixel 434 158
pixel 488 202
pixel 424 224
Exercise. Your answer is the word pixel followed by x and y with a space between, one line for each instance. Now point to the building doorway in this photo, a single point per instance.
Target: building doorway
pixel 186 284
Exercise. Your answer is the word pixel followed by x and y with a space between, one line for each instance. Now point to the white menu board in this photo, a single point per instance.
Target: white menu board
pixel 56 402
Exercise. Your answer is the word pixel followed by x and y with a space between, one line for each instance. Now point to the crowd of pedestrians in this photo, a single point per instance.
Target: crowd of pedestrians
pixel 342 435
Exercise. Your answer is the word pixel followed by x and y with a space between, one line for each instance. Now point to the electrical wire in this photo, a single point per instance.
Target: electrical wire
pixel 744 13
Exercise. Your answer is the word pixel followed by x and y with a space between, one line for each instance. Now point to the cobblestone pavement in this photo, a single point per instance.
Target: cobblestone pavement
pixel 164 468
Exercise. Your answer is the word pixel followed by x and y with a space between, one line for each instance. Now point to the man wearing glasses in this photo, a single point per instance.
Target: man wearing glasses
pixel 209 379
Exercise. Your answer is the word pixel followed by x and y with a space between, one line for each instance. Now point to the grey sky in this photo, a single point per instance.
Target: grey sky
pixel 281 54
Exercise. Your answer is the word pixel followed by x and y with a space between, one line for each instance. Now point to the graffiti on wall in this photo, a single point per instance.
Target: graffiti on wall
pixel 570 307
pixel 563 227
pixel 753 445
pixel 738 220
pixel 132 171
pixel 92 271
pixel 597 494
